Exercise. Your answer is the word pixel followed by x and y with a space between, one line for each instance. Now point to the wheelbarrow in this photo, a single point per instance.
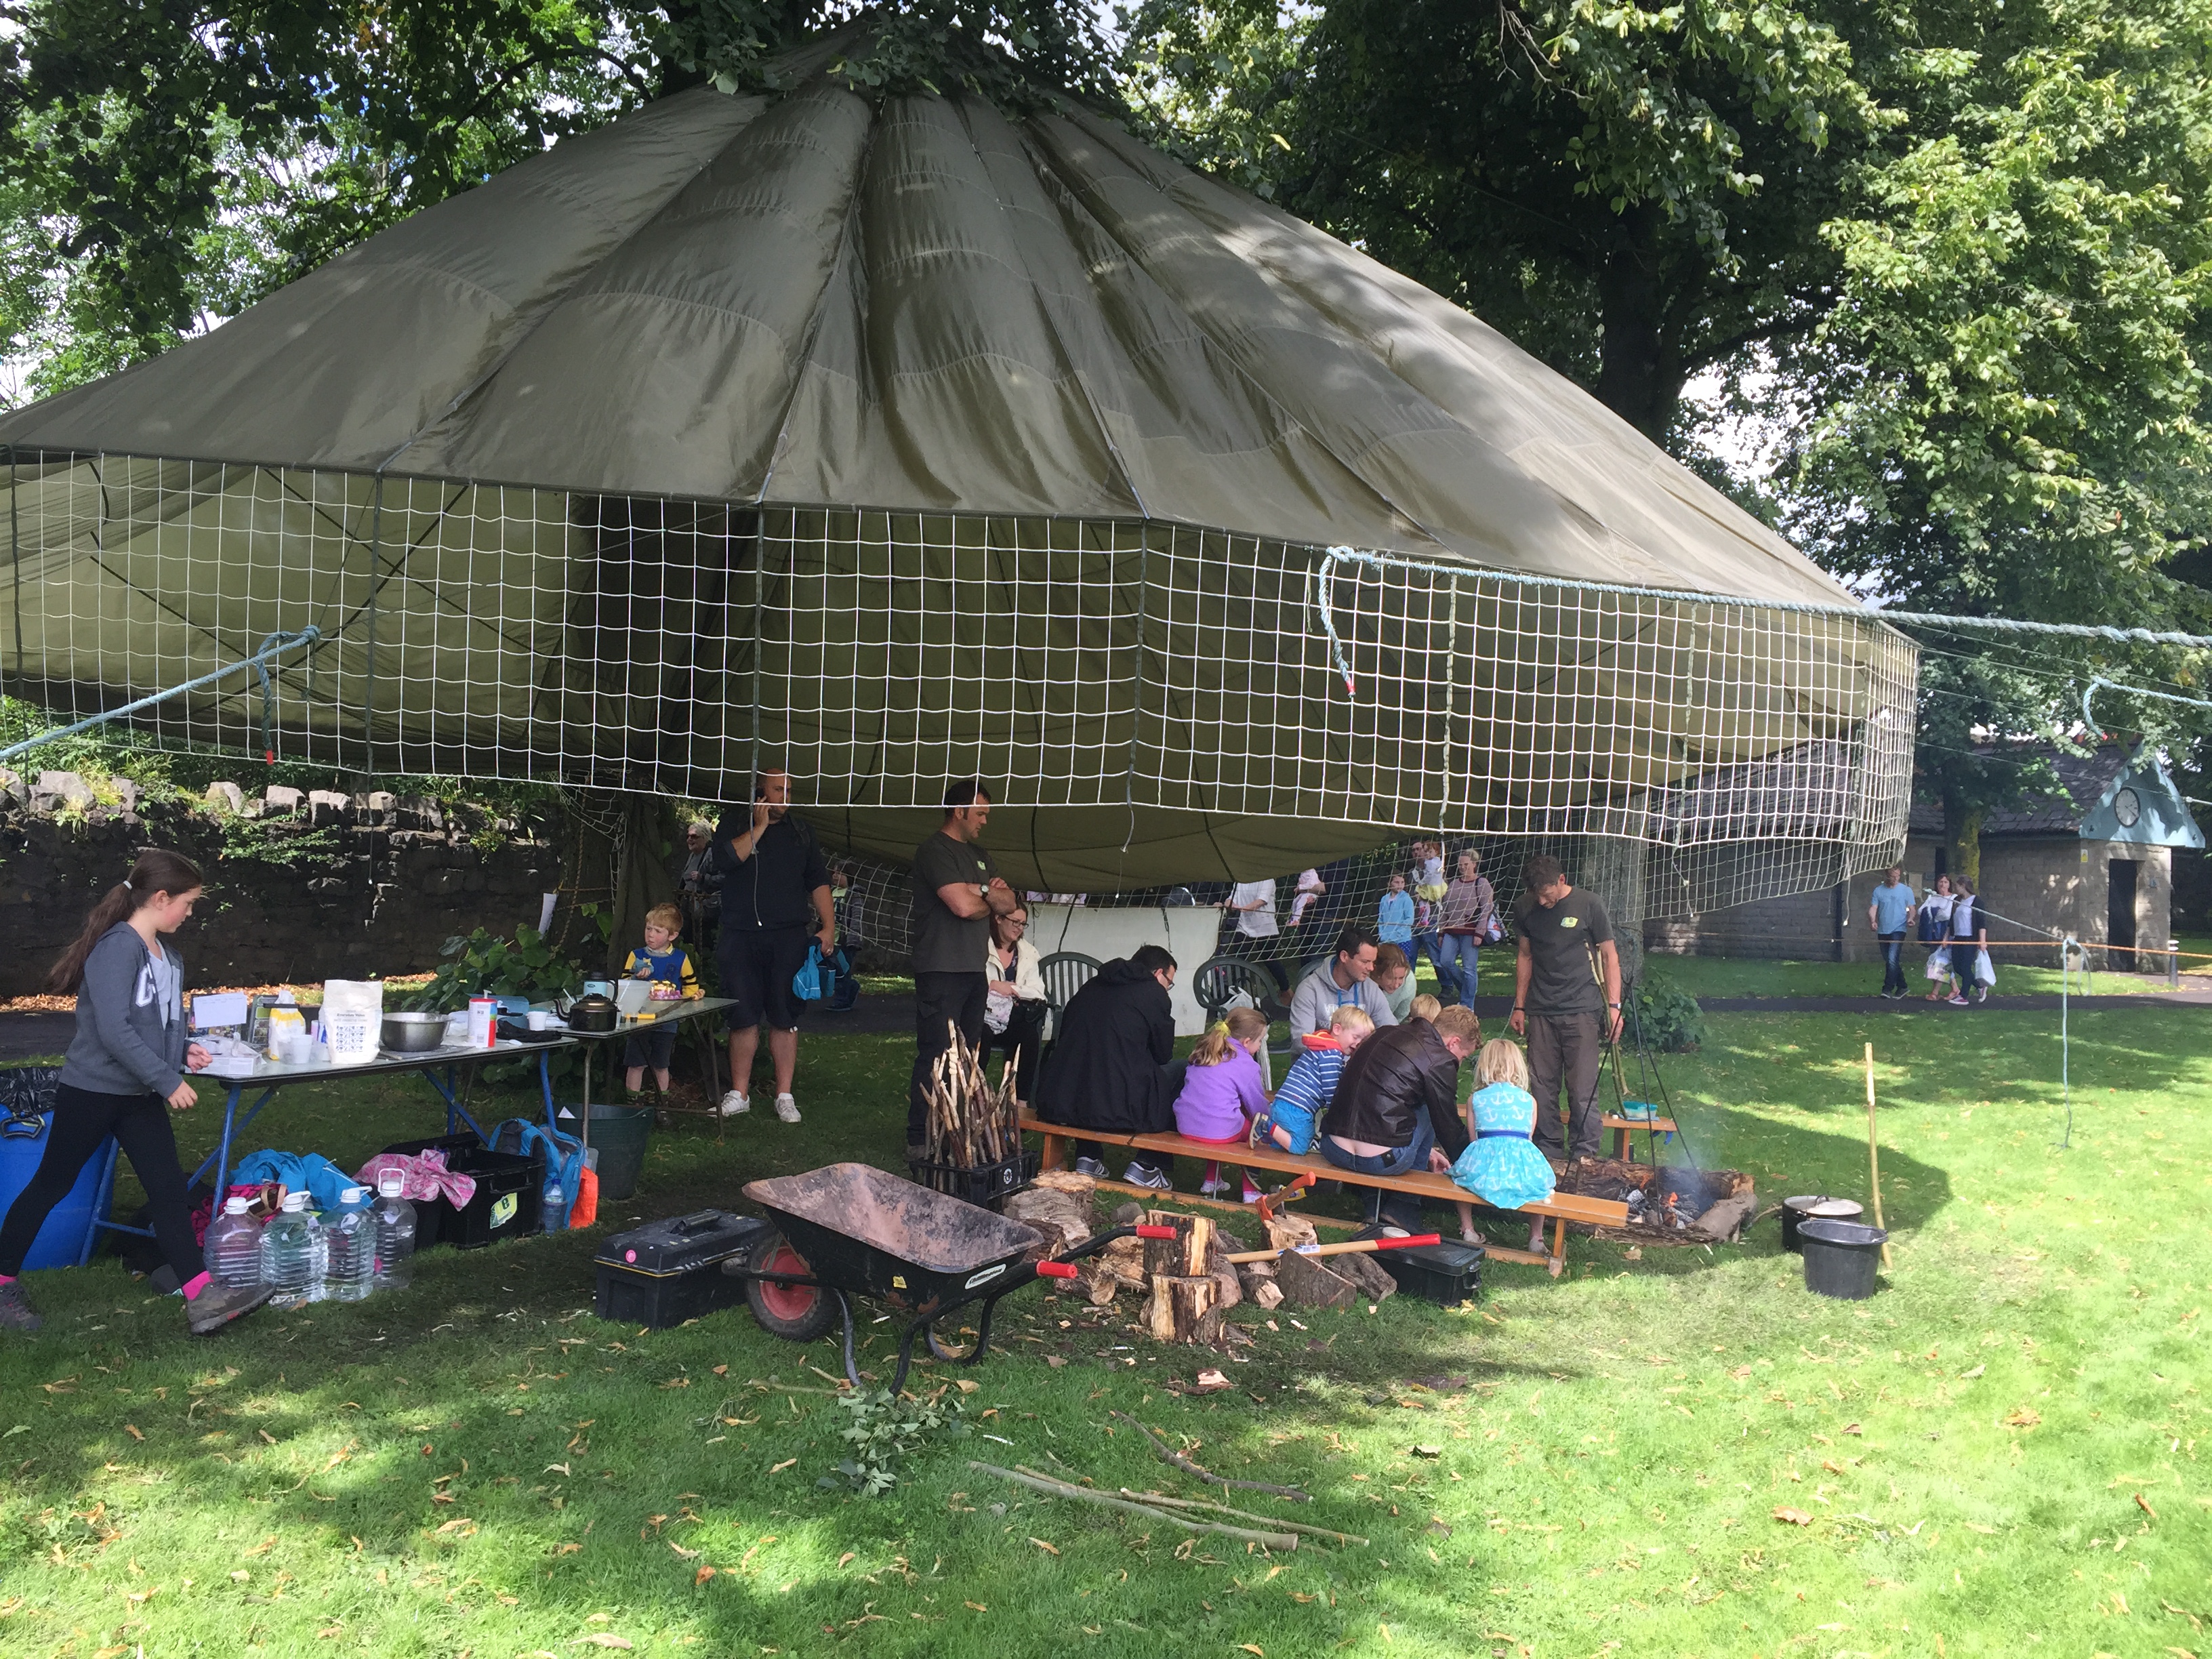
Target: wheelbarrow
pixel 850 1230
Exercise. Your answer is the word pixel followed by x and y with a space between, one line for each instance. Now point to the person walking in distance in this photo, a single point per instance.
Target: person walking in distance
pixel 1566 1000
pixel 775 903
pixel 957 891
pixel 1889 913
pixel 123 1073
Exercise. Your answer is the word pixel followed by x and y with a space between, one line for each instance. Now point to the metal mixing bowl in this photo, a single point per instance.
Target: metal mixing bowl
pixel 413 1034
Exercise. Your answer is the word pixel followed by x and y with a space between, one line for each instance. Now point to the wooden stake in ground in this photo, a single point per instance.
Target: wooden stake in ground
pixel 1874 1155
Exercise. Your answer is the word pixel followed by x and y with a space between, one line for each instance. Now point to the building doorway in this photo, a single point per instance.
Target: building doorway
pixel 2120 906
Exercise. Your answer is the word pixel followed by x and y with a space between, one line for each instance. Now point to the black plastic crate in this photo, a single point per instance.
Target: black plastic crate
pixel 986 1184
pixel 508 1200
pixel 667 1271
pixel 1446 1273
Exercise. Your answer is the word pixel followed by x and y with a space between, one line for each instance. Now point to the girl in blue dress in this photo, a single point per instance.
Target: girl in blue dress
pixel 1501 1165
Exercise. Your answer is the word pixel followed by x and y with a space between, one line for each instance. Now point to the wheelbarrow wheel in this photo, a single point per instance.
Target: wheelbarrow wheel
pixel 796 1313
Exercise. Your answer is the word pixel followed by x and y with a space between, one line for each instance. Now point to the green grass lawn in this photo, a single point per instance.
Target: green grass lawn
pixel 2000 1454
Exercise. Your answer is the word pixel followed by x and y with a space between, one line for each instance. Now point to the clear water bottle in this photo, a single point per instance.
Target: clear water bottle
pixel 554 1216
pixel 234 1247
pixel 395 1230
pixel 292 1255
pixel 350 1247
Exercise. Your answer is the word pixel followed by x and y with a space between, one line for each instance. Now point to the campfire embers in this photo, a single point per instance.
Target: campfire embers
pixel 1663 1201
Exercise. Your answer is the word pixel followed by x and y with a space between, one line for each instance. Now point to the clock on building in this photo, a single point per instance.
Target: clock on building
pixel 2127 807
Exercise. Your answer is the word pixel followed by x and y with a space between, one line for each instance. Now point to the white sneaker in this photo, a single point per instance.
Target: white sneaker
pixel 1138 1176
pixel 735 1104
pixel 1092 1167
pixel 1213 1188
pixel 787 1109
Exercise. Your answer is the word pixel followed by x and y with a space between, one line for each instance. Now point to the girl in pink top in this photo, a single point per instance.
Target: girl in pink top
pixel 1224 1087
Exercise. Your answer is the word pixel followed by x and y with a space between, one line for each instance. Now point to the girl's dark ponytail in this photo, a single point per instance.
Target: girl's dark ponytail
pixel 157 871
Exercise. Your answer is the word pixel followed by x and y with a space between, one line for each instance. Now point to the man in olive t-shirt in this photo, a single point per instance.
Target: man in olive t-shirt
pixel 1566 998
pixel 957 891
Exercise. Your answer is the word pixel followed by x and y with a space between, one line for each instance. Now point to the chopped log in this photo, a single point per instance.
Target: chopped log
pixel 1183 1257
pixel 1222 1268
pixel 1267 1293
pixel 1308 1283
pixel 1370 1276
pixel 1182 1310
pixel 1287 1232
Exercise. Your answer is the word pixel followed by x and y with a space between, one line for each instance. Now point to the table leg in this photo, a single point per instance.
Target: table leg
pixel 545 1084
pixel 584 1125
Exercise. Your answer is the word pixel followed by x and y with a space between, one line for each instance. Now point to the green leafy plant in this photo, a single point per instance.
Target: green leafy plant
pixel 1667 1017
pixel 882 1427
pixel 524 966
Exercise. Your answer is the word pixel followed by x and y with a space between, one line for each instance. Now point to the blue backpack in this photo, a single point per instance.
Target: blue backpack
pixel 564 1162
pixel 817 980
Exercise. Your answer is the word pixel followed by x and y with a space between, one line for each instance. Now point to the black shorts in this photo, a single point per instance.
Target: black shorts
pixel 756 965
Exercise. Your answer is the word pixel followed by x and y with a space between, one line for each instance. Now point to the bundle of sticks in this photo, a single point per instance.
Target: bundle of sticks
pixel 970 1123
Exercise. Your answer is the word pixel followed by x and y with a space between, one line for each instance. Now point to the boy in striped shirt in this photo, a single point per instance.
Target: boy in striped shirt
pixel 1311 1084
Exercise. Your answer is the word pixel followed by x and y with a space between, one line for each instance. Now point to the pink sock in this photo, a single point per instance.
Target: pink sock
pixel 195 1285
pixel 7 1279
pixel 1212 1172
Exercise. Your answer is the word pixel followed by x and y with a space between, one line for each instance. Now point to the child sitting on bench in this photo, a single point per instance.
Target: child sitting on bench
pixel 1311 1084
pixel 1224 1087
pixel 1501 1165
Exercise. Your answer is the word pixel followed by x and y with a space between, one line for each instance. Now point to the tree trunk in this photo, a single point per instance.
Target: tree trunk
pixel 1962 828
pixel 1639 374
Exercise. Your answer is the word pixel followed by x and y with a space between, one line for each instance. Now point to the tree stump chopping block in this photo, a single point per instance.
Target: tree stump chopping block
pixel 1313 1282
pixel 1185 1255
pixel 1182 1310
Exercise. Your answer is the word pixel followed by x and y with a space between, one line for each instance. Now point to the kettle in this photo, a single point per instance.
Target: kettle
pixel 591 1015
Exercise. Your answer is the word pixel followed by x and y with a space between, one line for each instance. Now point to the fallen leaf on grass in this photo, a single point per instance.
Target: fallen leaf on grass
pixel 1210 1382
pixel 1048 1548
pixel 1968 1376
pixel 2024 1418
pixel 2144 1504
pixel 1253 1647
pixel 240 1576
pixel 701 1576
pixel 131 1429
pixel 266 1436
pixel 599 1638
pixel 1054 1361
pixel 968 1385
pixel 1428 1451
pixel 1853 1428
pixel 568 1549
pixel 977 1606
pixel 1794 1518
pixel 846 1557
pixel 780 1468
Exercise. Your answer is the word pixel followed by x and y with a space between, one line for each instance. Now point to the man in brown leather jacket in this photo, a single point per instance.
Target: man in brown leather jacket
pixel 1397 1100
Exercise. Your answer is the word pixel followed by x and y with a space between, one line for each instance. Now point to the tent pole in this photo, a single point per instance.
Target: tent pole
pixel 15 568
pixel 760 577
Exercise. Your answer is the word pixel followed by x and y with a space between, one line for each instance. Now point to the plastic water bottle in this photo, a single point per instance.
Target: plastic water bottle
pixel 554 1216
pixel 350 1247
pixel 292 1255
pixel 395 1230
pixel 234 1247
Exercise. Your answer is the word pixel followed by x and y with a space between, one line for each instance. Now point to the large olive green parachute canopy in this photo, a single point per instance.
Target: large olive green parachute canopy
pixel 892 440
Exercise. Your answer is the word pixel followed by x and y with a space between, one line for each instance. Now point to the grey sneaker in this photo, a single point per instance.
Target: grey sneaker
pixel 1138 1176
pixel 787 1109
pixel 1092 1167
pixel 735 1104
pixel 217 1306
pixel 16 1314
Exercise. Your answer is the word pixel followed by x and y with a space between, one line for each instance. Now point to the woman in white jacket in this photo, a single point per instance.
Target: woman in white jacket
pixel 1014 1010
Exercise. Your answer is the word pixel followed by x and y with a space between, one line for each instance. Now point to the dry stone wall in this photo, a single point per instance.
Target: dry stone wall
pixel 302 884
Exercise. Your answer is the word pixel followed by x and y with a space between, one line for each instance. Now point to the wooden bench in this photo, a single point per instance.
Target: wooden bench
pixel 1558 1209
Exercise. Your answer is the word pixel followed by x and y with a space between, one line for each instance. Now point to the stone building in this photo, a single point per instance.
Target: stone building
pixel 2093 859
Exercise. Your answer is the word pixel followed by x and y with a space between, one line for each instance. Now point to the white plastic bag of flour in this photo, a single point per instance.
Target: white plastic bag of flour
pixel 353 1019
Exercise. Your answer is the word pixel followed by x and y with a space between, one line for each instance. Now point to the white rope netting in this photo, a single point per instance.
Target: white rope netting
pixel 1150 703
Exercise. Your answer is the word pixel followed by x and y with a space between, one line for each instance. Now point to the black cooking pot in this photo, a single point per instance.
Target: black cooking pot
pixel 1808 1206
pixel 592 1015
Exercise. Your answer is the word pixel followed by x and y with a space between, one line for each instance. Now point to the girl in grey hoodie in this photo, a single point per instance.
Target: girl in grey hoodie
pixel 124 1070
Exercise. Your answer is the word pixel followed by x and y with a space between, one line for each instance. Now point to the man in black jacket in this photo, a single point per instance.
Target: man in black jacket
pixel 1397 1101
pixel 1108 1066
pixel 775 892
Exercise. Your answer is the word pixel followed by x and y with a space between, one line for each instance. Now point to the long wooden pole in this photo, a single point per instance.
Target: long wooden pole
pixel 1874 1157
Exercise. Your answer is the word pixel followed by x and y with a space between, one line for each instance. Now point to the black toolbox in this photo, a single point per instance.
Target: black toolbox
pixel 509 1195
pixel 1446 1273
pixel 667 1271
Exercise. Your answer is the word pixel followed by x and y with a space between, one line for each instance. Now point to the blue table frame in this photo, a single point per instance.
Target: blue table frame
pixel 271 1076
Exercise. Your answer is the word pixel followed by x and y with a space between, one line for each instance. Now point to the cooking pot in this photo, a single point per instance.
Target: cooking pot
pixel 1795 1211
pixel 591 1015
